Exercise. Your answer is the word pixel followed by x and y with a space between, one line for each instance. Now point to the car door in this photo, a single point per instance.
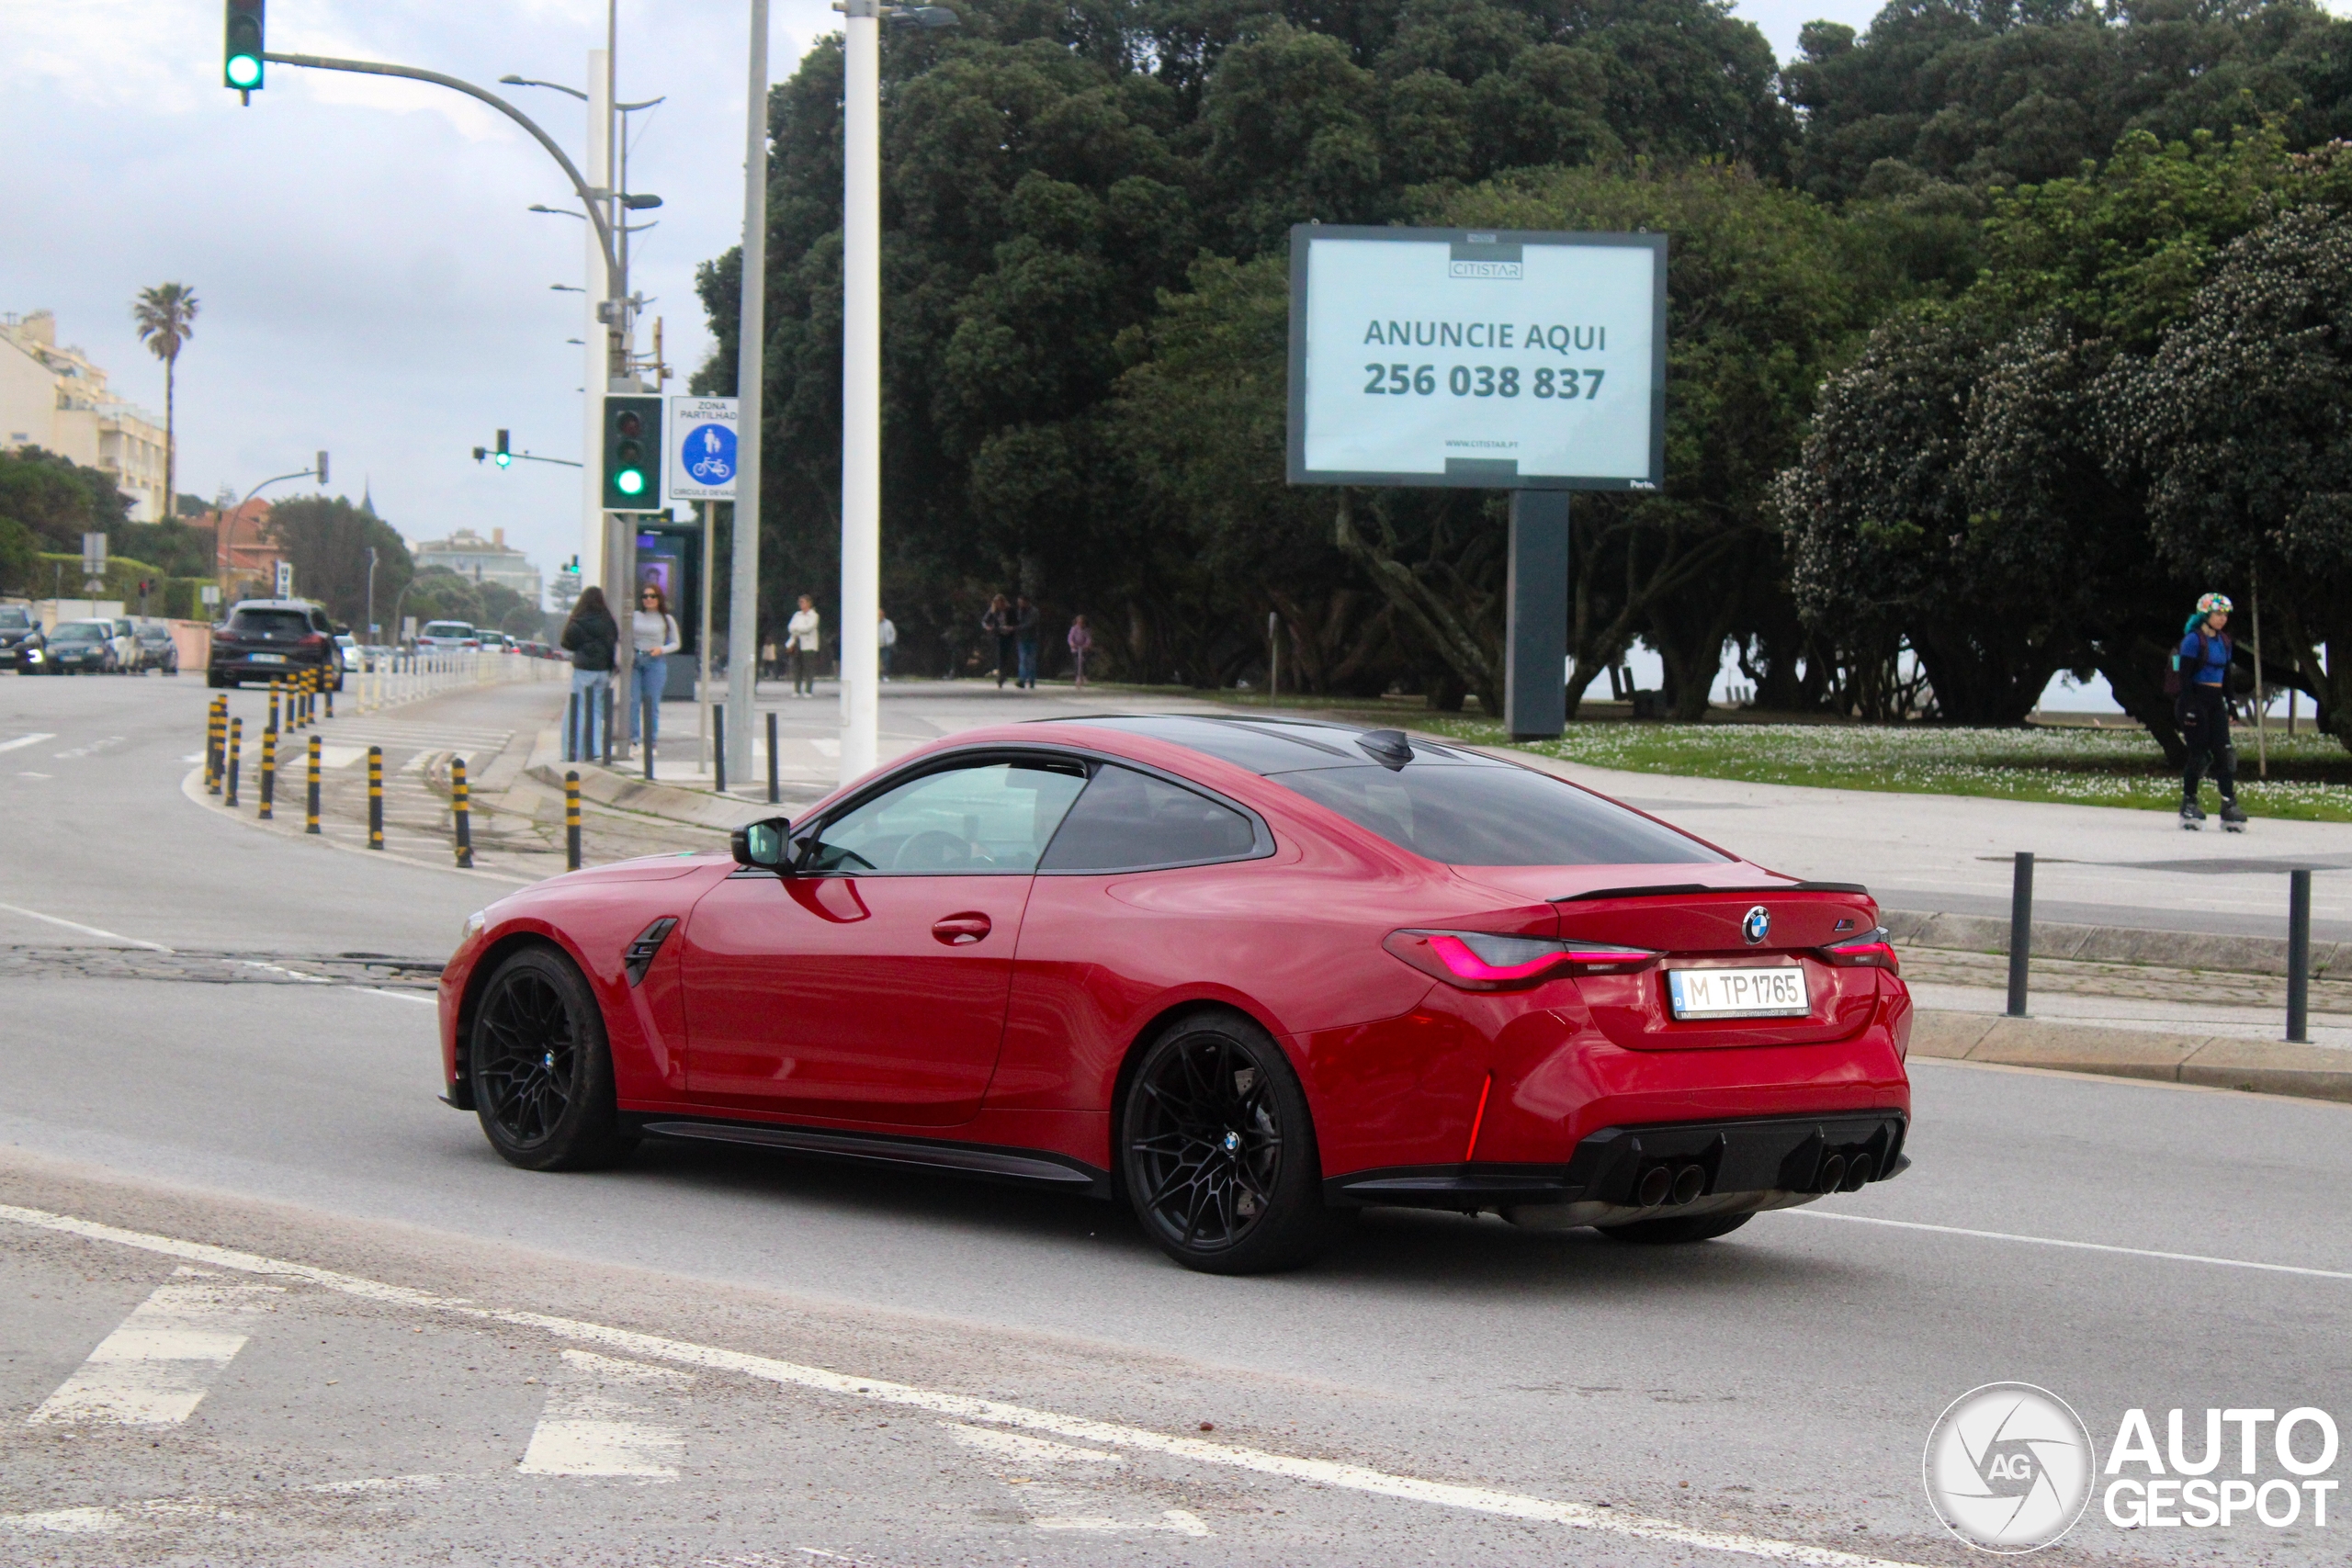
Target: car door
pixel 870 982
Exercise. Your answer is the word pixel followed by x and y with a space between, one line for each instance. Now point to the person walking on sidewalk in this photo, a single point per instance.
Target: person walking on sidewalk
pixel 805 632
pixel 885 637
pixel 654 633
pixel 1024 640
pixel 591 636
pixel 998 624
pixel 1081 643
pixel 2203 711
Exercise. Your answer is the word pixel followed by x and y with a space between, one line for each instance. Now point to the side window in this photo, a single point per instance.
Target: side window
pixel 996 817
pixel 1130 821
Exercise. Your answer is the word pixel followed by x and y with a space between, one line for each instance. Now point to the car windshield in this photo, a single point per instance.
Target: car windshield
pixel 1485 816
pixel 15 619
pixel 155 634
pixel 81 631
pixel 270 623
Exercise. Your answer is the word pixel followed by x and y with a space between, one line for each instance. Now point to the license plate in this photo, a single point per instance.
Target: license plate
pixel 269 659
pixel 1778 992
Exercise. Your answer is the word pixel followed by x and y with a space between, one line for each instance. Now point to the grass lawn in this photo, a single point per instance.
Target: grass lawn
pixel 2311 775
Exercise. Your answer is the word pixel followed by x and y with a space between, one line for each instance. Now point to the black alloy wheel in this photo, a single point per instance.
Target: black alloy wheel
pixel 542 1073
pixel 1218 1150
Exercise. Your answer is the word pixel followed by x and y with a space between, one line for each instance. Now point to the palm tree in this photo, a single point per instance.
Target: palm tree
pixel 166 318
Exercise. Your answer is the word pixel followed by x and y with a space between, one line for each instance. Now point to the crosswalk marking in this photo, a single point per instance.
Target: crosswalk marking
pixel 154 1369
pixel 591 1426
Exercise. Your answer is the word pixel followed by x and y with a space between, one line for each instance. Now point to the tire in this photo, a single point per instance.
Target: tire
pixel 541 1071
pixel 214 679
pixel 1216 1151
pixel 1672 1232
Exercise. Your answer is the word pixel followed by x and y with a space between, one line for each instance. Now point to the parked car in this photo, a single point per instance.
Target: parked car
pixel 495 642
pixel 348 649
pixel 16 624
pixel 269 639
pixel 1244 975
pixel 125 644
pixel 70 647
pixel 156 649
pixel 444 637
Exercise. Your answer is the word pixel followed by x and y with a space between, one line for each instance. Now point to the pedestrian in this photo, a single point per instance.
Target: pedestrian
pixel 1024 637
pixel 998 624
pixel 591 636
pixel 805 633
pixel 765 668
pixel 654 633
pixel 885 637
pixel 2203 711
pixel 1081 643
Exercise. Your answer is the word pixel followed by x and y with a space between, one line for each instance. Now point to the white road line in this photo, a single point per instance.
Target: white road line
pixel 25 740
pixel 155 1368
pixel 85 930
pixel 966 1407
pixel 1175 1520
pixel 591 1427
pixel 2080 1246
pixel 1025 1450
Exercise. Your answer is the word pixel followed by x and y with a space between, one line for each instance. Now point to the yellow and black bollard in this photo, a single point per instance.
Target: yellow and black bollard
pixel 236 742
pixel 461 811
pixel 269 773
pixel 571 821
pixel 330 696
pixel 274 687
pixel 215 728
pixel 375 797
pixel 310 815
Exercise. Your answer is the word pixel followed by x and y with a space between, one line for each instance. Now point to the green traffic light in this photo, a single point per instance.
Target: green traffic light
pixel 505 460
pixel 244 71
pixel 630 481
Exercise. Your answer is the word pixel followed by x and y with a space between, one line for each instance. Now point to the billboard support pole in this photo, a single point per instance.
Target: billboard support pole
pixel 1535 642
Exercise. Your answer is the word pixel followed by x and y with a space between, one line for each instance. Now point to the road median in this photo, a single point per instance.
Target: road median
pixel 2213 1060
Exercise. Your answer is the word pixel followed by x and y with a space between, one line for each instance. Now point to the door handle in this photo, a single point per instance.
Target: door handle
pixel 957 930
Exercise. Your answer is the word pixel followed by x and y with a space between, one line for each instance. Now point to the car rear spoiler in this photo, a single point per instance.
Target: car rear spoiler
pixel 1675 889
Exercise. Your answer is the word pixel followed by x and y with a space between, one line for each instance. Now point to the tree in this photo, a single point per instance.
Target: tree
pixel 2236 423
pixel 166 317
pixel 328 538
pixel 57 500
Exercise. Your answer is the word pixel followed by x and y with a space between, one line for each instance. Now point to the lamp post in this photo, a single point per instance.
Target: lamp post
pixel 371 593
pixel 743 587
pixel 318 470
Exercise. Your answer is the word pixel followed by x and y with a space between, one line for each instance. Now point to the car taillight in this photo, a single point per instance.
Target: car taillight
pixel 1486 961
pixel 1871 951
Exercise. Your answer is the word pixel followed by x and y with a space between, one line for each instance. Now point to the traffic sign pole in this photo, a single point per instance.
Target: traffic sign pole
pixel 743 591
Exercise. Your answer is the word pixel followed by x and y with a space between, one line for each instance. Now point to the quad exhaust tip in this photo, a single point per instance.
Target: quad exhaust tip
pixel 1664 1184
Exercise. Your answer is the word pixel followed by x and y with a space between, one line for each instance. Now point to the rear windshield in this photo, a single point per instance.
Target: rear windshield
pixel 447 629
pixel 81 631
pixel 1474 816
pixel 270 623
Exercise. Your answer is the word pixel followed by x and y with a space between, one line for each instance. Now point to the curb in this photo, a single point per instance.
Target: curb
pixel 2117 944
pixel 192 788
pixel 2224 1061
pixel 696 808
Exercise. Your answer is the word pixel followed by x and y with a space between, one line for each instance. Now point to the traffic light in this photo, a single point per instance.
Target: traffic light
pixel 241 67
pixel 632 448
pixel 502 457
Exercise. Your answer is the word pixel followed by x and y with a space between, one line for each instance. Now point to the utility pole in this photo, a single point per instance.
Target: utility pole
pixel 596 375
pixel 861 386
pixel 743 595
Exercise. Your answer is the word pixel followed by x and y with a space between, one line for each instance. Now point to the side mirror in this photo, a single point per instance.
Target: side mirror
pixel 764 845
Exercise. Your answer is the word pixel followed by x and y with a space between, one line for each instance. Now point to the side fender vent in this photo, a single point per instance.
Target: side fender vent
pixel 640 957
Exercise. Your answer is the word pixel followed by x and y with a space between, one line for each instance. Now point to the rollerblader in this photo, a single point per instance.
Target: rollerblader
pixel 2202 710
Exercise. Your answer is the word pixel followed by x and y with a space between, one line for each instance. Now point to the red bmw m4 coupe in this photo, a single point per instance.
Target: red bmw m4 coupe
pixel 1247 976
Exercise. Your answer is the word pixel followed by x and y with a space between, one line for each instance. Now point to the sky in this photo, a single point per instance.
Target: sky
pixel 370 279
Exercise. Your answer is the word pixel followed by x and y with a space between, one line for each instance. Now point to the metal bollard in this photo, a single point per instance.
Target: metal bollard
pixel 330 697
pixel 268 774
pixel 310 809
pixel 775 792
pixel 719 747
pixel 461 811
pixel 2021 931
pixel 273 704
pixel 571 821
pixel 645 712
pixel 236 743
pixel 610 710
pixel 572 746
pixel 2298 957
pixel 215 728
pixel 375 797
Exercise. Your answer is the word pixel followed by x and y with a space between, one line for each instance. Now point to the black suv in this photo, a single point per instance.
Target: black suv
pixel 269 639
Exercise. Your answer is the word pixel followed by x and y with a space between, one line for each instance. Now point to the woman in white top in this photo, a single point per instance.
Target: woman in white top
pixel 654 632
pixel 803 633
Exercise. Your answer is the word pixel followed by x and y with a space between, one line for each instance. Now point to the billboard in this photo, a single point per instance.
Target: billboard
pixel 1493 359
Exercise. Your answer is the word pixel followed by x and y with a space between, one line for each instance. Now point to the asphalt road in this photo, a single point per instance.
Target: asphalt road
pixel 262 1298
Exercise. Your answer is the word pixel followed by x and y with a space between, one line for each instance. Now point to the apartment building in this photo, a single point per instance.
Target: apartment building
pixel 56 399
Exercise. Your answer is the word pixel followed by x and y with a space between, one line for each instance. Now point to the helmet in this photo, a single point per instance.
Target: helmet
pixel 2210 602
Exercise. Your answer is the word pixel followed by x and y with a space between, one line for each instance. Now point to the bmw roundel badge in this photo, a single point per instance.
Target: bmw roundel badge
pixel 1756 925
